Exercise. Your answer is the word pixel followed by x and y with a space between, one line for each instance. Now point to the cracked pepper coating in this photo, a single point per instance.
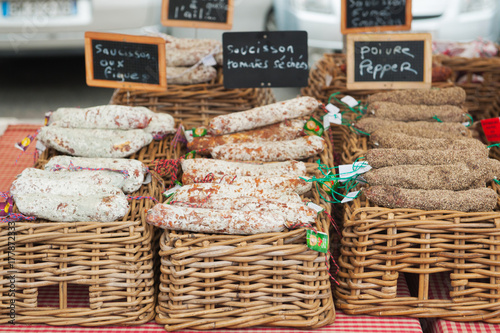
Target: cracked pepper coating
pixel 383 157
pixel 388 139
pixel 424 129
pixel 263 115
pixel 287 130
pixel 474 200
pixel 297 149
pixel 394 111
pixel 453 177
pixel 447 96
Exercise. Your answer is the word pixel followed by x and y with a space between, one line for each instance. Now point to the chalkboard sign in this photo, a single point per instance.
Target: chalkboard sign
pixel 125 61
pixel 375 15
pixel 389 61
pixel 211 14
pixel 265 59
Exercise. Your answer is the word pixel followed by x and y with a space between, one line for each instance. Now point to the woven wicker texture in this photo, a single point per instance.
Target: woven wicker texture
pixel 230 281
pixel 194 105
pixel 379 244
pixel 111 264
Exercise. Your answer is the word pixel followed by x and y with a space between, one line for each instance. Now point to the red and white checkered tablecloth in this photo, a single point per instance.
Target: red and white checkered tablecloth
pixel 9 154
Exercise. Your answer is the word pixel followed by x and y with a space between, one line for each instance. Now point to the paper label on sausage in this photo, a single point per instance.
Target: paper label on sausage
pixel 199 132
pixel 40 146
pixel 332 118
pixel 347 171
pixel 350 197
pixel 188 134
pixel 6 207
pixel 332 108
pixel 172 191
pixel 147 179
pixel 314 127
pixel 315 207
pixel 350 101
pixel 317 241
pixel 209 60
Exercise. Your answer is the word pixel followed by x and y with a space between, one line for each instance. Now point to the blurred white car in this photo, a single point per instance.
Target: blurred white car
pixel 446 20
pixel 28 26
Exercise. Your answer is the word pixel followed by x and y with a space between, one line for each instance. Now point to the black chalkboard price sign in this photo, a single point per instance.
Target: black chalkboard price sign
pixel 389 61
pixel 211 14
pixel 125 61
pixel 265 59
pixel 375 15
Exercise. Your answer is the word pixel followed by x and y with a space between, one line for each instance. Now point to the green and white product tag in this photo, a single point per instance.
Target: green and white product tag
pixel 317 241
pixel 347 171
pixel 188 134
pixel 332 108
pixel 199 132
pixel 190 155
pixel 332 118
pixel 350 101
pixel 314 127
pixel 350 197
pixel 169 193
pixel 329 186
pixel 315 207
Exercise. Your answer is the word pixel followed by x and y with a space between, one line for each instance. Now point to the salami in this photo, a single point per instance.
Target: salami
pixel 26 185
pixel 287 184
pixel 102 117
pixel 453 177
pixel 387 139
pixel 378 158
pixel 161 125
pixel 94 142
pixel 394 111
pixel 131 182
pixel 232 222
pixel 63 208
pixel 181 52
pixel 447 96
pixel 206 166
pixel 89 177
pixel 197 193
pixel 291 211
pixel 263 115
pixel 424 129
pixel 287 130
pixel 297 149
pixel 475 200
pixel 188 75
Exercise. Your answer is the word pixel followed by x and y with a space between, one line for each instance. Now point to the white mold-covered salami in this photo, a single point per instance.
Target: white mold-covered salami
pixel 263 115
pixel 287 184
pixel 161 124
pixel 182 52
pixel 271 151
pixel 232 222
pixel 292 212
pixel 102 117
pixel 206 166
pixel 26 185
pixel 196 193
pixel 63 208
pixel 89 177
pixel 187 75
pixel 94 142
pixel 136 169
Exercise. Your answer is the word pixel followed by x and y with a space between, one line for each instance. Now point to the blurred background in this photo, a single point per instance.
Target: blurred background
pixel 41 41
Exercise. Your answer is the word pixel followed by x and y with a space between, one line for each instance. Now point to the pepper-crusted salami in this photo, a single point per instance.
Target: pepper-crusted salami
pixel 453 177
pixel 297 149
pixel 206 166
pixel 394 111
pixel 63 208
pixel 232 222
pixel 450 96
pixel 387 139
pixel 424 129
pixel 263 115
pixel 102 117
pixel 288 184
pixel 292 212
pixel 136 170
pixel 197 193
pixel 187 75
pixel 94 142
pixel 287 130
pixel 378 158
pixel 475 200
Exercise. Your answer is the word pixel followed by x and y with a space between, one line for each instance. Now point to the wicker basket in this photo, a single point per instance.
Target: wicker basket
pixel 101 273
pixel 193 105
pixel 379 244
pixel 230 281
